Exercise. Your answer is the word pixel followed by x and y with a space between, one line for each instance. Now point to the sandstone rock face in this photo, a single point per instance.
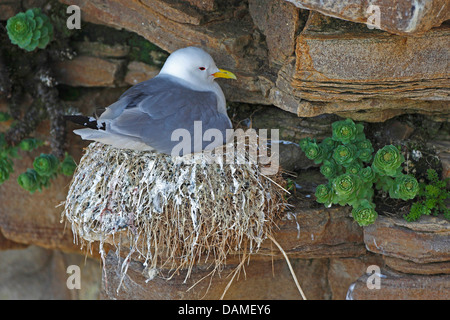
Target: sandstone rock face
pixel 34 219
pixel 263 280
pixel 363 74
pixel 139 71
pixel 39 274
pixel 285 53
pixel 403 17
pixel 399 286
pixel 417 259
pixel 87 71
pixel 319 233
pixel 302 61
pixel 353 64
pixel 424 241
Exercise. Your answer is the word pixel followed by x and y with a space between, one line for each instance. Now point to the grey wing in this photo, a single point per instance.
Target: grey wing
pixel 170 118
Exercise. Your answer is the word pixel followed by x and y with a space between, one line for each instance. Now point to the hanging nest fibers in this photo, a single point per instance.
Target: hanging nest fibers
pixel 172 212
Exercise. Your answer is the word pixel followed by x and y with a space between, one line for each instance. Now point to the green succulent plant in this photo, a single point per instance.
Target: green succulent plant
pixel 365 213
pixel 432 198
pixel 7 153
pixel 330 169
pixel 4 116
pixel 30 30
pixel 46 165
pixel 29 180
pixel 68 166
pixel 314 152
pixel 405 187
pixel 345 161
pixel 347 187
pixel 344 154
pixel 325 194
pixel 346 131
pixel 30 144
pixel 388 161
pixel 367 175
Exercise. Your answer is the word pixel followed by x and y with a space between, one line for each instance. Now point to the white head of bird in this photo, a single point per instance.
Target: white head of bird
pixel 195 66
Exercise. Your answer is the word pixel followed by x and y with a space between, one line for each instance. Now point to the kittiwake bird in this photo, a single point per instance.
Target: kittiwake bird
pixel 183 102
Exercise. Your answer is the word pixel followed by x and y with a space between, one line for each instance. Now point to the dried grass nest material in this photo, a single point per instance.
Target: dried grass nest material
pixel 171 211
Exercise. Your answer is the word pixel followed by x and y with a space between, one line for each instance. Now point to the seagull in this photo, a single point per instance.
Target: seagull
pixel 156 114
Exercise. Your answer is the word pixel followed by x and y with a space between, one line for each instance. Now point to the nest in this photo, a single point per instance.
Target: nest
pixel 172 212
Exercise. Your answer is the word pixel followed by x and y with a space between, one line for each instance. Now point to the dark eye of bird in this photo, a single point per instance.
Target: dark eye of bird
pixel 202 68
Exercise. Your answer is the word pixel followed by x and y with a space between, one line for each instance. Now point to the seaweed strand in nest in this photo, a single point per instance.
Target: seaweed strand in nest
pixel 172 213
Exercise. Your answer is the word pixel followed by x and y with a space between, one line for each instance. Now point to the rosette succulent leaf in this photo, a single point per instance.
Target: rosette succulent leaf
pixel 46 165
pixel 68 166
pixel 405 187
pixel 345 154
pixel 329 169
pixel 365 154
pixel 325 194
pixel 304 143
pixel 367 175
pixel 30 144
pixel 314 152
pixel 29 180
pixel 346 131
pixel 355 167
pixel 30 30
pixel 328 144
pixel 364 144
pixel 365 214
pixel 354 172
pixel 346 187
pixel 387 161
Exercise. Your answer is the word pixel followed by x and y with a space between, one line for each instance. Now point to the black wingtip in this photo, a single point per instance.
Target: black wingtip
pixel 88 122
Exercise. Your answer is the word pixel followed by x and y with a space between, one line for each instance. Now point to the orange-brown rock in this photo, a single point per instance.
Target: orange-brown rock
pixel 406 266
pixel 86 71
pixel 139 71
pixel 338 61
pixel 227 35
pixel 262 280
pixel 363 74
pixel 279 21
pixel 317 233
pixel 35 219
pixel 424 241
pixel 101 50
pixel 343 272
pixel 337 66
pixel 400 286
pixel 36 273
pixel 404 17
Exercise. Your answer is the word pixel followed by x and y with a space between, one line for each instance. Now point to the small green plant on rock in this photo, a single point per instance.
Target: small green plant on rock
pixel 30 29
pixel 45 166
pixel 346 161
pixel 432 198
pixel 28 71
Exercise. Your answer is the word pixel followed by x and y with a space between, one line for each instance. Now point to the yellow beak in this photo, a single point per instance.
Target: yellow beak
pixel 224 74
